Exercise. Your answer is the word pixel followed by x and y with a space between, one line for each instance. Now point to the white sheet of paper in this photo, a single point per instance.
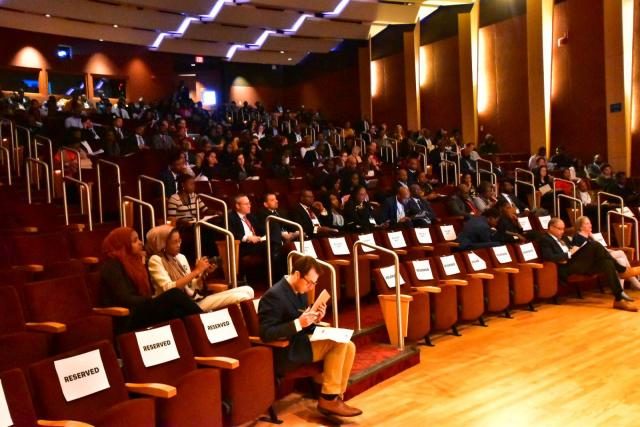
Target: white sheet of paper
pixel 502 254
pixel 396 239
pixel 528 251
pixel 256 304
pixel 423 235
pixel 341 335
pixel 5 415
pixel 367 238
pixel 448 232
pixel 450 265
pixel 308 248
pixel 389 275
pixel 157 346
pixel 477 263
pixel 339 246
pixel 625 211
pixel 525 223
pixel 599 238
pixel 544 221
pixel 423 269
pixel 218 326
pixel 81 375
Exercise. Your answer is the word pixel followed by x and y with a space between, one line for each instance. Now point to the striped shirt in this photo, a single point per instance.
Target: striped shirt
pixel 184 210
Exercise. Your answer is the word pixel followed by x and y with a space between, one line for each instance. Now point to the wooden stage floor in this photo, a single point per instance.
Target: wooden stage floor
pixel 575 364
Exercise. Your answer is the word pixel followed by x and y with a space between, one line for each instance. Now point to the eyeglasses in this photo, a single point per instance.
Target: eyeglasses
pixel 310 282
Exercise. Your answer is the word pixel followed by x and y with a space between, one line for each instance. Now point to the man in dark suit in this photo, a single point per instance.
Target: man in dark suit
pixel 169 176
pixel 394 210
pixel 460 203
pixel 244 225
pixel 590 258
pixel 312 216
pixel 507 194
pixel 135 142
pixel 480 232
pixel 284 313
pixel 419 209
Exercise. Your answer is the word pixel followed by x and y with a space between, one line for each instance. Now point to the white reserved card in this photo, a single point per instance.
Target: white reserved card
pixel 339 246
pixel 423 235
pixel 81 375
pixel 5 415
pixel 218 326
pixel 367 238
pixel 448 232
pixel 525 223
pixel 308 248
pixel 157 346
pixel 528 251
pixel 544 221
pixel 450 265
pixel 502 254
pixel 256 304
pixel 340 335
pixel 396 239
pixel 389 274
pixel 476 262
pixel 423 269
pixel 599 238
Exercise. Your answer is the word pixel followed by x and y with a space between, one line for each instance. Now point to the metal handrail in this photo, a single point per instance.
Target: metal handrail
pixel 268 228
pixel 574 199
pixel 480 171
pixel 610 196
pixel 225 213
pixel 444 171
pixel 573 184
pixel 28 133
pixel 396 263
pixel 47 181
pixel 385 150
pixel 635 221
pixel 14 144
pixel 526 183
pixel 424 152
pixel 448 155
pixel 49 143
pixel 135 201
pixel 394 143
pixel 118 182
pixel 77 153
pixel 334 285
pixel 85 185
pixel 163 195
pixel 8 154
pixel 230 241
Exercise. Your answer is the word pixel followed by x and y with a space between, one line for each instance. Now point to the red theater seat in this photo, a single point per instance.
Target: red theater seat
pixel 18 398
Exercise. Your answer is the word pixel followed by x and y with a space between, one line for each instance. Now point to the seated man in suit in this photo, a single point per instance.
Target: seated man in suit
pixel 480 231
pixel 419 209
pixel 590 258
pixel 394 210
pixel 284 313
pixel 460 204
pixel 312 216
pixel 244 225
pixel 507 193
pixel 177 166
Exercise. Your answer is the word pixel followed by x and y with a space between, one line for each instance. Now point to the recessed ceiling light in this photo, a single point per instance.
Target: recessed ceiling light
pixel 289 59
pixel 47 15
pixel 115 25
pixel 282 51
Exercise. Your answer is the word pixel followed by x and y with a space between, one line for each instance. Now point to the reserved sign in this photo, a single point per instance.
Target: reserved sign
pixel 157 346
pixel 81 375
pixel 525 223
pixel 308 248
pixel 528 251
pixel 448 232
pixel 396 239
pixel 423 235
pixel 339 246
pixel 367 238
pixel 502 254
pixel 450 265
pixel 389 274
pixel 544 221
pixel 219 326
pixel 476 262
pixel 5 415
pixel 422 269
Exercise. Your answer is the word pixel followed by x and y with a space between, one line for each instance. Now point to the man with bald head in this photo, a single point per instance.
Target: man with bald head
pixel 590 258
pixel 395 210
pixel 312 216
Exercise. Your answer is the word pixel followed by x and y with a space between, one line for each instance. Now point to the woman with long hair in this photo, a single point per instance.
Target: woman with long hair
pixel 125 281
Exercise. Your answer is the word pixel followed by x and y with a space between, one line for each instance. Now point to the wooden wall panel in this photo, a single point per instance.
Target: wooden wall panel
pixel 635 96
pixel 388 96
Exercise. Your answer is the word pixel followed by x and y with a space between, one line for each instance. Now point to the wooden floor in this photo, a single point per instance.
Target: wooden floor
pixel 576 364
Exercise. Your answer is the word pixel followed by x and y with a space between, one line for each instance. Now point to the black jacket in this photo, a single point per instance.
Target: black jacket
pixel 299 214
pixel 236 227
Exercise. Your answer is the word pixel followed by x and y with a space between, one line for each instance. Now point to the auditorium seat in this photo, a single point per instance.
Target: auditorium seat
pixel 67 300
pixel 496 290
pixel 18 398
pixel 168 359
pixel 545 278
pixel 521 276
pixel 248 390
pixel 106 407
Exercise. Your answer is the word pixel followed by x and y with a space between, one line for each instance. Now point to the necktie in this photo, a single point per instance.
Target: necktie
pixel 140 141
pixel 246 221
pixel 471 206
pixel 311 214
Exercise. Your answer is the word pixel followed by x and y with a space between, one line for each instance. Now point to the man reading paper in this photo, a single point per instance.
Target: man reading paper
pixel 284 313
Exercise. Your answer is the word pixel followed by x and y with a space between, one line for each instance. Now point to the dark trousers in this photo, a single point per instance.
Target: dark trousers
pixel 173 304
pixel 593 258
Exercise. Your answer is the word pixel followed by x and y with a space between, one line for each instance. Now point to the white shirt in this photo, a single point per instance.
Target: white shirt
pixel 585 197
pixel 73 122
pixel 506 196
pixel 140 141
pixel 399 210
pixel 160 277
pixel 247 230
pixel 120 112
pixel 562 244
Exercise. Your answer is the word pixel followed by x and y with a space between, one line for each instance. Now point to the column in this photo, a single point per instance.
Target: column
pixel 411 49
pixel 468 24
pixel 364 71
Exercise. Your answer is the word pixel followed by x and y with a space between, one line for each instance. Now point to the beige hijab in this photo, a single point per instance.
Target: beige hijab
pixel 156 244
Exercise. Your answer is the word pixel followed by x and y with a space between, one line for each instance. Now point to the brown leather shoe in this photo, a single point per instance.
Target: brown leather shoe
pixel 337 407
pixel 630 272
pixel 624 305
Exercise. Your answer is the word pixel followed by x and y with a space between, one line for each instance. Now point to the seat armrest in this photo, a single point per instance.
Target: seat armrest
pixel 454 282
pixel 400 251
pixel 370 257
pixel 112 311
pixel 452 244
pixel 480 275
pixel 50 327
pixel 76 227
pixel 276 344
pixel 27 229
pixel 90 260
pixel 339 262
pixel 423 248
pixel 163 391
pixel 217 287
pixel 62 423
pixel 218 362
pixel 534 265
pixel 29 268
pixel 429 289
pixel 510 270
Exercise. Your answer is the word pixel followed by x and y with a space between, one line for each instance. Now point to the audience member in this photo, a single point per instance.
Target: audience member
pixel 394 210
pixel 312 216
pixel 419 208
pixel 358 212
pixel 177 166
pixel 480 231
pixel 460 203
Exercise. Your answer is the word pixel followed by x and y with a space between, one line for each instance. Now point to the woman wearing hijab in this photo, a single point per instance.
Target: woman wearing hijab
pixel 125 281
pixel 170 270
